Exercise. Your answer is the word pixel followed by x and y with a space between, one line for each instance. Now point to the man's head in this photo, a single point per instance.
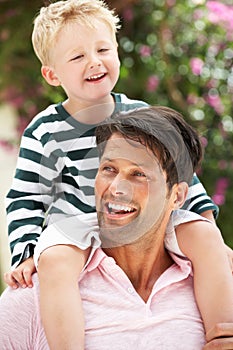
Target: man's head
pixel 53 18
pixel 147 160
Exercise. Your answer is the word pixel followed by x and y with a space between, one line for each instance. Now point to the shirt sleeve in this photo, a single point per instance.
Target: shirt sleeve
pixel 198 200
pixel 28 198
pixel 81 231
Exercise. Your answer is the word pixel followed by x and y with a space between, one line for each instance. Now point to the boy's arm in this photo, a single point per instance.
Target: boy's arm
pixel 202 243
pixel 208 214
pixel 198 201
pixel 28 198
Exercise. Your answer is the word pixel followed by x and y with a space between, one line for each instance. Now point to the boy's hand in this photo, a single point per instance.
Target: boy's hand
pixel 22 275
pixel 220 337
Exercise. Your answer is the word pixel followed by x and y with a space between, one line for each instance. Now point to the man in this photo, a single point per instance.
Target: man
pixel 135 295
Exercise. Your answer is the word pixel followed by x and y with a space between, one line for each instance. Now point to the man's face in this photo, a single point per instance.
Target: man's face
pixel 131 192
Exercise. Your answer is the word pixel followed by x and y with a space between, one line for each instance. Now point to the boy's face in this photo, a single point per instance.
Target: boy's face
pixel 84 61
pixel 131 192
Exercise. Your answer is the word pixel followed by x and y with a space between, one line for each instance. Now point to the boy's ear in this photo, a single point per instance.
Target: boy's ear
pixel 50 76
pixel 181 192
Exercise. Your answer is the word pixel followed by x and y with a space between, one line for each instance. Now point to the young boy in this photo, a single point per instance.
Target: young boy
pixel 75 41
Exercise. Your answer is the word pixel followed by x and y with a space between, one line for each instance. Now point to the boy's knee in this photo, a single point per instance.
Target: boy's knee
pixel 54 258
pixel 60 260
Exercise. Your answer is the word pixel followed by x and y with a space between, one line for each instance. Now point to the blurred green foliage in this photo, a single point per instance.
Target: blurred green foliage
pixel 174 53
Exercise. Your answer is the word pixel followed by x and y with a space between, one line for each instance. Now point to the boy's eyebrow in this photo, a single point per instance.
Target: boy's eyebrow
pixel 100 42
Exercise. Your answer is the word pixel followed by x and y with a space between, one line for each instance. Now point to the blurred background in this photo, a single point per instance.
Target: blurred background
pixel 177 53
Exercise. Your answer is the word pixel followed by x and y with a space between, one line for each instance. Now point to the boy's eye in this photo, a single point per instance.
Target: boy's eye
pixel 76 57
pixel 103 50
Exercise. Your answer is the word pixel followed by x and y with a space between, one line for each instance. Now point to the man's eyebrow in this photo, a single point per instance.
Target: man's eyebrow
pixel 112 160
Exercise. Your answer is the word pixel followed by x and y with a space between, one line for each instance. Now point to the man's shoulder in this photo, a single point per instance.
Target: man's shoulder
pixel 20 303
pixel 23 296
pixel 20 318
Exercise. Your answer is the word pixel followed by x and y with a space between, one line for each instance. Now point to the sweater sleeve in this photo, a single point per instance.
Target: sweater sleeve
pixel 198 200
pixel 29 197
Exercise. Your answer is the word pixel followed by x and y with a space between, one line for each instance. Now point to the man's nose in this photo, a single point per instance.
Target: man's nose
pixel 120 186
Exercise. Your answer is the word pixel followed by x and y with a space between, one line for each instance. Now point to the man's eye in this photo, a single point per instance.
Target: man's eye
pixel 139 174
pixel 108 169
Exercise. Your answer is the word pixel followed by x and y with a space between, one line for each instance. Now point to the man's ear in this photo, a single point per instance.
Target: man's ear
pixel 181 192
pixel 50 76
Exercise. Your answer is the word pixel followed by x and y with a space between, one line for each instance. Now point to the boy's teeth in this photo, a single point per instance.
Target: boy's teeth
pixel 94 77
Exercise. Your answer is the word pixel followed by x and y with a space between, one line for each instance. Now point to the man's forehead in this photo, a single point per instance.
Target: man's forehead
pixel 135 152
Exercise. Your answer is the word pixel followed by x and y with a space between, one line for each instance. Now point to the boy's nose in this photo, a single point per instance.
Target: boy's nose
pixel 96 64
pixel 94 61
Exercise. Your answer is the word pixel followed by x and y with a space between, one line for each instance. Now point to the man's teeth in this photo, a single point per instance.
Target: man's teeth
pixel 94 77
pixel 119 207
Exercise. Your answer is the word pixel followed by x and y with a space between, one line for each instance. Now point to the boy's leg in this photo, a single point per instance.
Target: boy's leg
pixel 60 302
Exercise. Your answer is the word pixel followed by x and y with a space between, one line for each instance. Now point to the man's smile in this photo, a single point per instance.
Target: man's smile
pixel 119 208
pixel 115 210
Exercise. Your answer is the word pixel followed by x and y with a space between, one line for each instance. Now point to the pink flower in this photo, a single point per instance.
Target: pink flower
pixel 204 141
pixel 212 83
pixel 4 35
pixel 192 99
pixel 220 13
pixel 222 164
pixel 171 3
pixel 22 123
pixel 152 83
pixel 218 199
pixel 8 146
pixel 128 14
pixel 196 65
pixel 220 190
pixel 197 14
pixel 215 102
pixel 145 51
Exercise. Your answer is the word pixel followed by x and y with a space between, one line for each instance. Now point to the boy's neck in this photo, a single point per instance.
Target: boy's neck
pixel 91 113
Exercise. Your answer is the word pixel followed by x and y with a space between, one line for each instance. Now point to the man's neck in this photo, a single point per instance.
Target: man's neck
pixel 142 265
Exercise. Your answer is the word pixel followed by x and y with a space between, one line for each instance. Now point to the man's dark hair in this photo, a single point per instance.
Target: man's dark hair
pixel 164 131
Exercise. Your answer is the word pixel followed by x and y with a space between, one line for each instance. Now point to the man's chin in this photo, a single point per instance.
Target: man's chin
pixel 115 236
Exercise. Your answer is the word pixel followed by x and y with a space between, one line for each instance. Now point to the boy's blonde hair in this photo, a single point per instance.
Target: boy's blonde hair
pixel 52 19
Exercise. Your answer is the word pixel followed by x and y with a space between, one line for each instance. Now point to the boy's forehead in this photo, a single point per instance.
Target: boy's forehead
pixel 89 27
pixel 90 22
pixel 134 152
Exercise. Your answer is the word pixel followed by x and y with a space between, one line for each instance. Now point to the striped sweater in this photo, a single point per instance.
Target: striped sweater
pixel 55 174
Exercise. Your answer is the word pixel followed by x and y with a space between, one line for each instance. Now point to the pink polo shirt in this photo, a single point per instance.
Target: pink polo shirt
pixel 116 317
